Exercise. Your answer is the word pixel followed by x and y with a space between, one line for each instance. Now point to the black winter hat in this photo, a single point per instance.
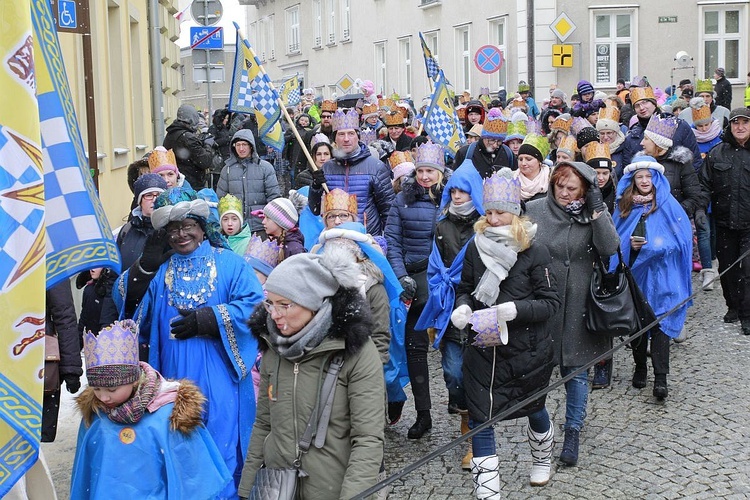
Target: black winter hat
pixel 586 135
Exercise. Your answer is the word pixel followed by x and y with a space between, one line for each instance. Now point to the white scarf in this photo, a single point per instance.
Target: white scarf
pixel 532 187
pixel 499 251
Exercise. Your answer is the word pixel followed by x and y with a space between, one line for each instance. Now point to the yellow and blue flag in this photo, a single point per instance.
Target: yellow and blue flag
pixel 252 92
pixel 441 121
pixel 290 94
pixel 433 69
pixel 52 225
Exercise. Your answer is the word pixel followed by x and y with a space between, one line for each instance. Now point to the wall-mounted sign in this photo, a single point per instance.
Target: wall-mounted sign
pixel 562 56
pixel 667 19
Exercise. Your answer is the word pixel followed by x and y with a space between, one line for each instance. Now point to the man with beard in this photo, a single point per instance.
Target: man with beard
pixel 356 171
pixel 489 154
pixel 327 107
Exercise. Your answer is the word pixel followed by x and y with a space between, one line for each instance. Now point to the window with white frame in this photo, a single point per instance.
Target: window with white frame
pixel 270 36
pixel 432 39
pixel 463 58
pixel 292 30
pixel 404 66
pixel 497 37
pixel 614 47
pixel 317 20
pixel 331 21
pixel 723 32
pixel 345 20
pixel 380 68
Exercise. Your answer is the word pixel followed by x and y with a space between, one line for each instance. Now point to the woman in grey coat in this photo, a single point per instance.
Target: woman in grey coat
pixel 576 227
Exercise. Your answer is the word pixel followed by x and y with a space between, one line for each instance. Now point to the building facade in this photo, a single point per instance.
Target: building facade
pixel 195 89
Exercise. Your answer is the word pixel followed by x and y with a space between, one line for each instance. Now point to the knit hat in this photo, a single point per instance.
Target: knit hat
pixel 640 162
pixel 282 212
pixel 586 135
pixel 568 145
pixel 584 87
pixel 609 119
pixel 160 160
pixel 402 163
pixel 502 192
pixel 641 93
pixel 262 255
pixel 345 119
pixel 230 204
pixel 704 86
pixel 701 111
pixel 597 155
pixel 430 155
pixel 475 131
pixel 112 355
pixel 558 93
pixel 535 145
pixel 685 81
pixel 661 130
pixel 495 126
pixel 309 279
pixel 720 71
pixel 148 183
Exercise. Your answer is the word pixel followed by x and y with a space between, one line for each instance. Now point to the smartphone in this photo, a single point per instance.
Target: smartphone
pixel 639 239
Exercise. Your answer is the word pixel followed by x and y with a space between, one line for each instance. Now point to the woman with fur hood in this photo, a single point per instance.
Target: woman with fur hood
pixel 313 311
pixel 141 436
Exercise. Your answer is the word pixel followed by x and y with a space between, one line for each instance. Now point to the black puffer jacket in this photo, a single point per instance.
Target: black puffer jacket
pixel 194 158
pixel 496 378
pixel 724 177
pixel 486 163
pixel 683 180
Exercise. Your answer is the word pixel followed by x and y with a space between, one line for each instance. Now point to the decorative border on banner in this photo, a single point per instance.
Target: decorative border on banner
pixel 85 255
pixel 19 410
pixel 16 457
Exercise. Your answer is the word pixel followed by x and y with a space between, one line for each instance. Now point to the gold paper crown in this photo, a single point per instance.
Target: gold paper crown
pixel 328 105
pixel 369 109
pixel 609 113
pixel 702 114
pixel 403 110
pixel 641 93
pixel 561 123
pixel 386 104
pixel 518 102
pixel 338 199
pixel 594 150
pixel 399 157
pixel 494 126
pixel 393 118
pixel 569 143
pixel 160 157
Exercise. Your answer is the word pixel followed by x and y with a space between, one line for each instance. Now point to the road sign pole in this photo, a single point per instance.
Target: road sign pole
pixel 209 97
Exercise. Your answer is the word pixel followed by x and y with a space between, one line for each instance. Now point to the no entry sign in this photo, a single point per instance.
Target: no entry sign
pixel 488 59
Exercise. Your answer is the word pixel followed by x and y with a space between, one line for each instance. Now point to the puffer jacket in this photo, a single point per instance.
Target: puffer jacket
pixel 502 376
pixel 194 158
pixel 411 225
pixel 724 178
pixel 349 461
pixel 683 136
pixel 365 176
pixel 252 180
pixel 683 180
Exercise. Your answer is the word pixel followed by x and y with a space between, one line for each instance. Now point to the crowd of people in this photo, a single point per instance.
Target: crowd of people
pixel 262 310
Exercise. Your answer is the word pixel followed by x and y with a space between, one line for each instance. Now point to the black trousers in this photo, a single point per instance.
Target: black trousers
pixel 735 284
pixel 659 351
pixel 417 344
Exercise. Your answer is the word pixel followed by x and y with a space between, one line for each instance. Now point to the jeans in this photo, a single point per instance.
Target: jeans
pixel 576 397
pixel 452 361
pixel 417 343
pixel 704 246
pixel 483 443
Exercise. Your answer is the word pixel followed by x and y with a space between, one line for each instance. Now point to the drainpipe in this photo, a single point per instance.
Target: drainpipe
pixel 530 41
pixel 157 98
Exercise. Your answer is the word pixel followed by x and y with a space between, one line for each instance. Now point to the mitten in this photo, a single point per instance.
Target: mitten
pixel 506 311
pixel 460 316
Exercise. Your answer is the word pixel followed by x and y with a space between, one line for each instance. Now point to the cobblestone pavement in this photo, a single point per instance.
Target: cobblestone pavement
pixel 692 445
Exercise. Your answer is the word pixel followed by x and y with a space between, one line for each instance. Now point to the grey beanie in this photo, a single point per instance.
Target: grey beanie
pixel 309 279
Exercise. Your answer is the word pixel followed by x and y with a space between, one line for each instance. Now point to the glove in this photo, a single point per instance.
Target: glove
pixel 409 286
pixel 594 198
pixel 701 220
pixel 319 178
pixel 72 383
pixel 155 252
pixel 201 322
pixel 460 316
pixel 506 311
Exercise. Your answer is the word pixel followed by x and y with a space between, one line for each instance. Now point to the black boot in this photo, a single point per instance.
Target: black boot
pixel 569 455
pixel 746 327
pixel 660 386
pixel 639 376
pixel 394 411
pixel 732 316
pixel 422 425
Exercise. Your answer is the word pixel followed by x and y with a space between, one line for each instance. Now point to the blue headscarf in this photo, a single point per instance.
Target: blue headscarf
pixel 466 178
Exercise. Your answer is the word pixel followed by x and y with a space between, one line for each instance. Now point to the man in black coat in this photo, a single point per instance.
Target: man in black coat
pixel 723 89
pixel 194 158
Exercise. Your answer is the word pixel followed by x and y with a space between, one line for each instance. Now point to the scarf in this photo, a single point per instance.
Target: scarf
pixel 295 347
pixel 639 199
pixel 575 207
pixel 499 252
pixel 619 139
pixel 532 187
pixel 132 410
pixel 463 210
pixel 709 135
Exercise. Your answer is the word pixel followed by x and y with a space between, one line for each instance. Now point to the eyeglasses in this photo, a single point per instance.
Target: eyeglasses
pixel 150 196
pixel 496 142
pixel 641 104
pixel 281 309
pixel 335 217
pixel 185 227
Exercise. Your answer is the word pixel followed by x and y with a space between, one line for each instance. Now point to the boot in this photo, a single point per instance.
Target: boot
pixel 732 316
pixel 466 461
pixel 422 425
pixel 639 376
pixel 602 374
pixel 707 279
pixel 569 455
pixel 541 451
pixel 745 327
pixel 660 386
pixel 394 411
pixel 486 476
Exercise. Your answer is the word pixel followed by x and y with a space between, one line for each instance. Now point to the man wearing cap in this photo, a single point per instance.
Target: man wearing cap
pixel 194 158
pixel 356 171
pixel 644 103
pixel 705 89
pixel 723 89
pixel 489 154
pixel 724 178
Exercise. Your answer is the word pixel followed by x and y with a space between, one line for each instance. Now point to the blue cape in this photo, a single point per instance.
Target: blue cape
pixel 310 225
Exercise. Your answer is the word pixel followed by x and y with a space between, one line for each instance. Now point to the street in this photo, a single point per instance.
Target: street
pixel 693 445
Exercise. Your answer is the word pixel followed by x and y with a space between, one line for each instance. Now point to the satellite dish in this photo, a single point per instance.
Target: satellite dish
pixel 683 59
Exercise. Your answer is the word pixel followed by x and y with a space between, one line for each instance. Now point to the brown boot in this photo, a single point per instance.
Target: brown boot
pixel 466 461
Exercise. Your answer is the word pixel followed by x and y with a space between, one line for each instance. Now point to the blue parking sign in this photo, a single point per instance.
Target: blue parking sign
pixel 206 38
pixel 66 14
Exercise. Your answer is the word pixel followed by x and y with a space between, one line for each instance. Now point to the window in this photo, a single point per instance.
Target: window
pixel 117 77
pixel 463 59
pixel 380 73
pixel 292 30
pixel 614 46
pixel 345 20
pixel 497 37
pixel 331 14
pixel 404 67
pixel 723 31
pixel 317 11
pixel 433 42
pixel 263 41
pixel 137 84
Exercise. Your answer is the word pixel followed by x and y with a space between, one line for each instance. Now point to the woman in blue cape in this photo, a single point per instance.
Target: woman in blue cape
pixel 193 298
pixel 656 241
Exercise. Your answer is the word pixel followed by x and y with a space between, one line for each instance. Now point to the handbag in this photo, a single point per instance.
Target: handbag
pixel 610 308
pixel 282 483
pixel 51 364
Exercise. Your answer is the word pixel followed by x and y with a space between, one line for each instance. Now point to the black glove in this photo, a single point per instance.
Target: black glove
pixel 319 178
pixel 156 251
pixel 594 199
pixel 72 383
pixel 701 220
pixel 409 286
pixel 201 322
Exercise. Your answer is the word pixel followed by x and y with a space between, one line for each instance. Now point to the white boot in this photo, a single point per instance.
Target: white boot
pixel 541 451
pixel 707 276
pixel 486 475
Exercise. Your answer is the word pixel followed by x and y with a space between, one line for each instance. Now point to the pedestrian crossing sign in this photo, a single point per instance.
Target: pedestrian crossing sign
pixel 562 56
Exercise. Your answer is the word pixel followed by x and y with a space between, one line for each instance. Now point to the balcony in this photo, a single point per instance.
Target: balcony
pixel 331 38
pixel 425 4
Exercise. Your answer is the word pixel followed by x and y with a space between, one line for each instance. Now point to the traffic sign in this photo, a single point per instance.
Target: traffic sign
pixel 206 38
pixel 562 56
pixel 345 83
pixel 562 26
pixel 488 59
pixel 206 12
pixel 67 16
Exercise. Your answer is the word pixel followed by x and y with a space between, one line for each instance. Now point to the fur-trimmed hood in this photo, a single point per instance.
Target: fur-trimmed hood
pixel 679 154
pixel 350 315
pixel 186 414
